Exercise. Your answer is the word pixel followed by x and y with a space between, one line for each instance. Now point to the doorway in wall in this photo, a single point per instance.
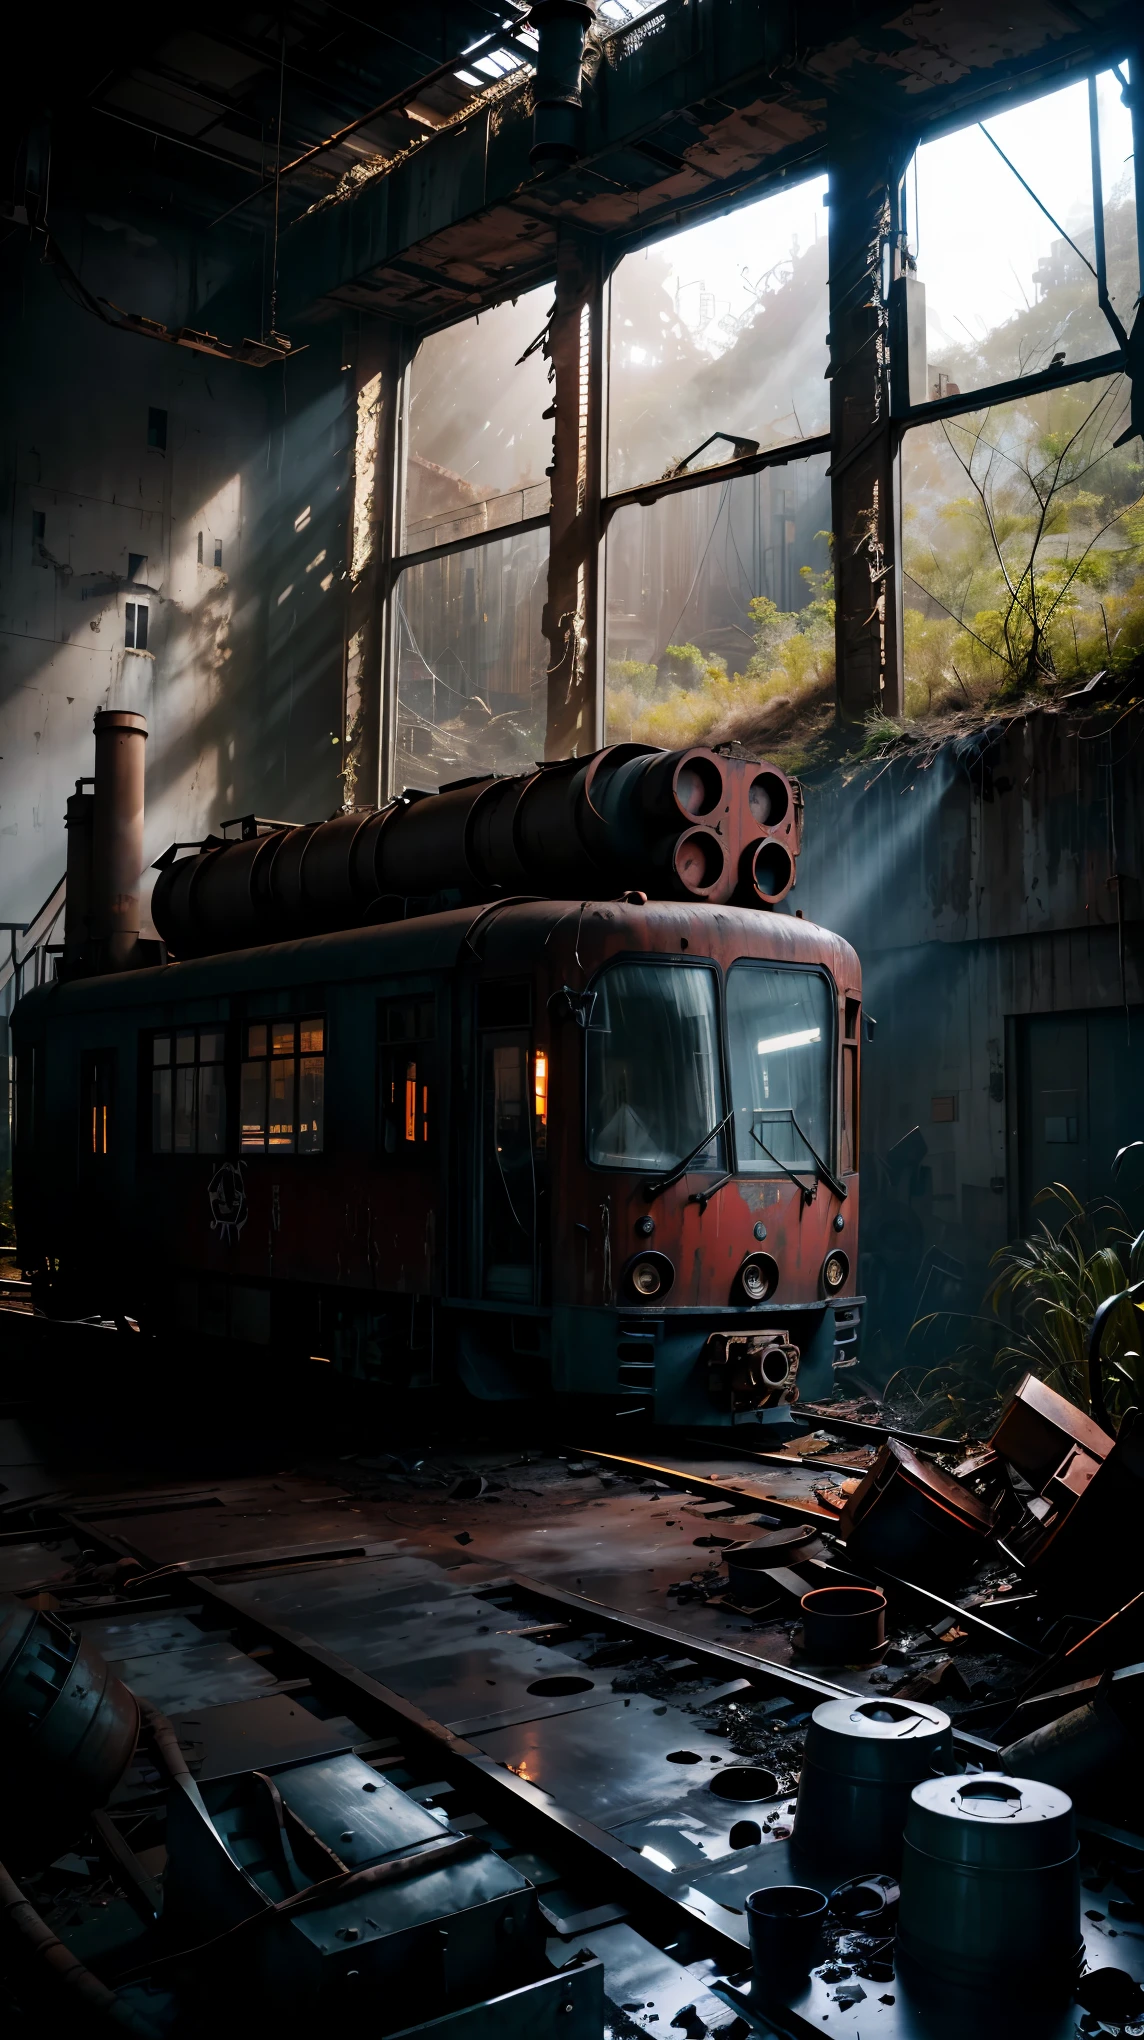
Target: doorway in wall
pixel 1080 1098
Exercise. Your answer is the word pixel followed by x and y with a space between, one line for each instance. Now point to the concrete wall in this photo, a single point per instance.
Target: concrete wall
pixel 978 885
pixel 242 677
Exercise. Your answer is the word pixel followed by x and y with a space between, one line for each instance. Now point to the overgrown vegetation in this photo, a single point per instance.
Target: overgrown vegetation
pixel 1028 569
pixel 690 697
pixel 1023 552
pixel 1038 1309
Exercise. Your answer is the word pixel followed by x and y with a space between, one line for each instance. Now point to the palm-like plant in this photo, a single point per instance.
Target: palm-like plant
pixel 1040 1303
pixel 1054 1281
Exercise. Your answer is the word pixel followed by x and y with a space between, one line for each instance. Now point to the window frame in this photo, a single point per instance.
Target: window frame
pixel 722 974
pixel 98 1074
pixel 424 1144
pixel 392 560
pixel 132 612
pixel 1091 367
pixel 658 959
pixel 248 1150
pixel 149 1069
pixel 832 1158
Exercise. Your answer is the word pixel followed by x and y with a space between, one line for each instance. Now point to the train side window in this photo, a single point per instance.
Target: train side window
pixel 406 1086
pixel 282 1104
pixel 188 1092
pixel 97 1100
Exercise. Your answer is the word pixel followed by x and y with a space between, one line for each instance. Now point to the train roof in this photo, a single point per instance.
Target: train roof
pixel 503 935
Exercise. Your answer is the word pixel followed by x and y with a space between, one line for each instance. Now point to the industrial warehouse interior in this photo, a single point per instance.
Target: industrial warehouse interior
pixel 572 1012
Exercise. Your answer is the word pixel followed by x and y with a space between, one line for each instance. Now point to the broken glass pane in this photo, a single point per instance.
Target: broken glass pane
pixel 720 329
pixel 1119 189
pixel 1022 555
pixel 471 662
pixel 1009 289
pixel 478 442
pixel 719 607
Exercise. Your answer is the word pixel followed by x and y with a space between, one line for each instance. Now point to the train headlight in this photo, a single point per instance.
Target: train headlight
pixel 835 1269
pixel 758 1278
pixel 649 1276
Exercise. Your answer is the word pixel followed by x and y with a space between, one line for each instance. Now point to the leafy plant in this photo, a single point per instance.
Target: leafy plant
pixel 1054 1281
pixel 7 1223
pixel 1040 1304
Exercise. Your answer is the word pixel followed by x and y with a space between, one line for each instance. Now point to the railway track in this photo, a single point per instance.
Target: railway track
pixel 639 1771
pixel 642 1773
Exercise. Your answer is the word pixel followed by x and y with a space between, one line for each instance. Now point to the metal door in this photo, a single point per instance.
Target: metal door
pixel 1081 1097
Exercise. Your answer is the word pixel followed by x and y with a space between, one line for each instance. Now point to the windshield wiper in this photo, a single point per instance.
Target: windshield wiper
pixel 832 1181
pixel 658 1183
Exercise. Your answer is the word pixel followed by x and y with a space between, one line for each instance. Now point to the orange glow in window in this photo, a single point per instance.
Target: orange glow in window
pixel 540 1086
pixel 411 1101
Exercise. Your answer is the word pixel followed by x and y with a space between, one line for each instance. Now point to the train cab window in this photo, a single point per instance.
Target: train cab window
pixel 654 1088
pixel 188 1092
pixel 97 1103
pixel 406 1085
pixel 780 1030
pixel 282 1097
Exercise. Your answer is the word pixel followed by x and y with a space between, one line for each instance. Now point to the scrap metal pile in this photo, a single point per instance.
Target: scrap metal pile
pixel 1017 1558
pixel 548 1816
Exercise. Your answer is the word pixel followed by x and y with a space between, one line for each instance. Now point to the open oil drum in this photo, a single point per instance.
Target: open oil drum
pixel 990 1891
pixel 863 1760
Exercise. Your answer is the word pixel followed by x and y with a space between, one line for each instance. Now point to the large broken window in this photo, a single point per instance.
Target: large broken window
pixel 1023 546
pixel 719 607
pixel 719 333
pixel 1017 223
pixel 478 442
pixel 471 662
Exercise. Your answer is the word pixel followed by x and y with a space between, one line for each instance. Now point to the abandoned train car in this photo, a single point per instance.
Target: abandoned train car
pixel 396 1148
pixel 602 1147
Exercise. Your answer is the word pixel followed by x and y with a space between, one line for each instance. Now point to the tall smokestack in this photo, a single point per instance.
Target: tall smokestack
pixel 117 837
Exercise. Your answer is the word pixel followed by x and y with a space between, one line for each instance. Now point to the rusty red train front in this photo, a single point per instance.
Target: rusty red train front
pixel 664 1198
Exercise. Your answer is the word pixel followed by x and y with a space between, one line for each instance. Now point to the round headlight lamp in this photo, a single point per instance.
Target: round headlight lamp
pixel 648 1277
pixel 835 1270
pixel 758 1278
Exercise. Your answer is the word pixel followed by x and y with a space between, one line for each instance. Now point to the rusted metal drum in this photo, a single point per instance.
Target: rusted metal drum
pixel 990 1902
pixel 67 1727
pixel 863 1759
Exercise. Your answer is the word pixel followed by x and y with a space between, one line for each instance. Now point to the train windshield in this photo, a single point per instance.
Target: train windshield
pixel 780 1030
pixel 654 1083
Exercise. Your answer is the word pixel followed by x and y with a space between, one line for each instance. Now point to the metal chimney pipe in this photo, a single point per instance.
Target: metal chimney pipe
pixel 117 836
pixel 77 898
pixel 561 27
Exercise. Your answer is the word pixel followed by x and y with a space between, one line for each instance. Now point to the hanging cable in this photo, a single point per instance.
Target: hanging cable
pixel 277 177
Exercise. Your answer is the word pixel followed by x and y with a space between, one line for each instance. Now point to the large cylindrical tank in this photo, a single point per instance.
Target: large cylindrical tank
pixel 117 835
pixel 689 825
